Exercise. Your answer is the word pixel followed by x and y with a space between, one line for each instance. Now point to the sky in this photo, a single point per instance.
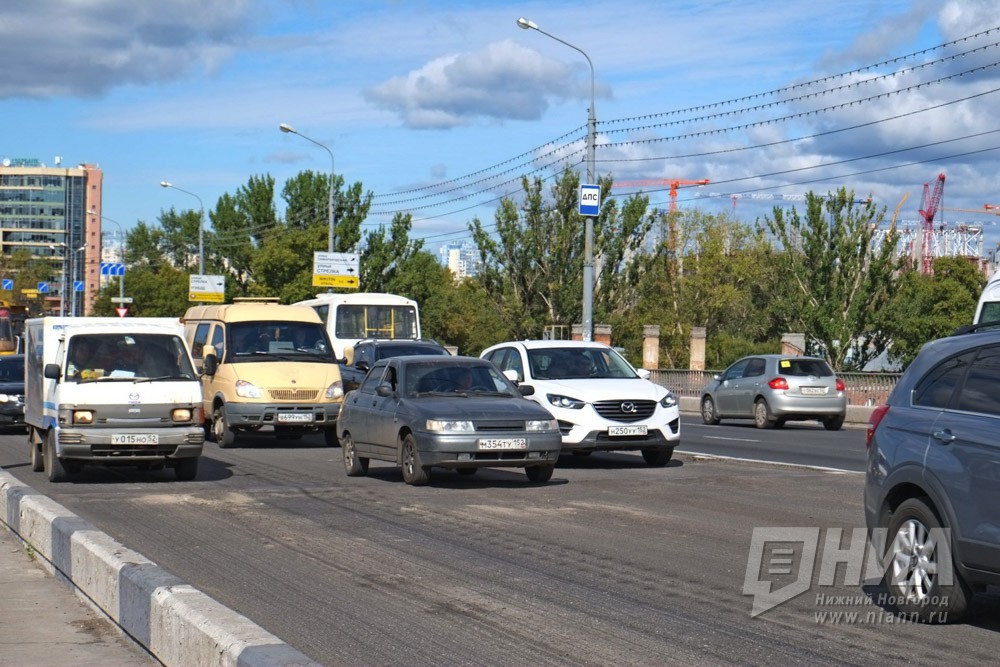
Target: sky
pixel 440 107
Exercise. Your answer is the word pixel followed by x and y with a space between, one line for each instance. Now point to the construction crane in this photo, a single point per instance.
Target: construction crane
pixel 931 202
pixel 987 209
pixel 674 184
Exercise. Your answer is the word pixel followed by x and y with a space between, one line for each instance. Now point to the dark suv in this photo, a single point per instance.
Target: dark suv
pixel 932 485
pixel 370 350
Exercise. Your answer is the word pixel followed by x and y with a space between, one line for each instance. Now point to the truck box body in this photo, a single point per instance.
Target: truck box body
pixel 109 390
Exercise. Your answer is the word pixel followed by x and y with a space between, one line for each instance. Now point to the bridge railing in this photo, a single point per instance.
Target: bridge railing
pixel 865 389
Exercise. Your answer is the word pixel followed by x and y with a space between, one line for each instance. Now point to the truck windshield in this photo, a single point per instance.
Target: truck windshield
pixel 131 355
pixel 279 340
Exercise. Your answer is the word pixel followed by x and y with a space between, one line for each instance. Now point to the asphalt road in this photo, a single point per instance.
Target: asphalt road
pixel 612 562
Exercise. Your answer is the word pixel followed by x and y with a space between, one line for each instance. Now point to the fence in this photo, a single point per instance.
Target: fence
pixel 866 389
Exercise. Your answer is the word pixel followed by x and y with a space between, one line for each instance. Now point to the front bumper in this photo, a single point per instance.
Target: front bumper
pixel 94 444
pixel 462 450
pixel 315 415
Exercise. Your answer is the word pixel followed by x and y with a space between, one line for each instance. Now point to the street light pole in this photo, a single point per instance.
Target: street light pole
pixel 285 127
pixel 588 234
pixel 201 224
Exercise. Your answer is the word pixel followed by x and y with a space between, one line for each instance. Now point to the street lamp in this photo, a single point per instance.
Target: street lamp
pixel 588 235
pixel 121 278
pixel 201 224
pixel 285 127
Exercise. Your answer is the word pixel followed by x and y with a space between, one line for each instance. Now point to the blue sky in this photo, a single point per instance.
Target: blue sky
pixel 439 107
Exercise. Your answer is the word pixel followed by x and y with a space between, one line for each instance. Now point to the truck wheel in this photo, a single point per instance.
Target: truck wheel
pixel 53 464
pixel 186 469
pixel 37 457
pixel 221 433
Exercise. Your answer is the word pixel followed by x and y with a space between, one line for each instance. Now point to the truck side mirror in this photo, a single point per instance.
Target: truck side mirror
pixel 51 371
pixel 211 364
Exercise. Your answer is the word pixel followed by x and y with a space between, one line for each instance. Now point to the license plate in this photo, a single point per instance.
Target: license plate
pixel 813 391
pixel 135 439
pixel 295 418
pixel 502 443
pixel 626 430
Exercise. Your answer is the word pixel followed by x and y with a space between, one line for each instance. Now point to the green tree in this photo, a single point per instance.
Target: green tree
pixel 384 254
pixel 840 280
pixel 926 307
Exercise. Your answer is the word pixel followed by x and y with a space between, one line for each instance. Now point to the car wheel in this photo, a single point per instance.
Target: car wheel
pixel 539 474
pixel 413 472
pixel 330 436
pixel 760 417
pixel 920 571
pixel 221 433
pixel 186 469
pixel 833 423
pixel 37 457
pixel 353 464
pixel 54 469
pixel 708 413
pixel 657 456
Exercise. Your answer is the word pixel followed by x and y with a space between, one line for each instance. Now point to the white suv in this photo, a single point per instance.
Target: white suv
pixel 601 402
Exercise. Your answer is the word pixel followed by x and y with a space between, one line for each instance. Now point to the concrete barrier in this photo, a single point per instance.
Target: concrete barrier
pixel 176 623
pixel 857 415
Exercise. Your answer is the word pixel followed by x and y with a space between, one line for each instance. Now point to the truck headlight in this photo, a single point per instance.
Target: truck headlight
pixel 83 416
pixel 335 390
pixel 246 389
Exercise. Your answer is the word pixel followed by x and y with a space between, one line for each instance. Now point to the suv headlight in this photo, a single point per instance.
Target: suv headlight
pixel 565 401
pixel 669 401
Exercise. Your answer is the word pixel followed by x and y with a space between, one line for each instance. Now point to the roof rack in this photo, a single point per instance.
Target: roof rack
pixel 256 299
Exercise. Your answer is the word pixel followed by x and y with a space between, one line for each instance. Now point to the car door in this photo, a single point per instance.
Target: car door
pixel 748 386
pixel 729 385
pixel 383 424
pixel 964 456
pixel 361 405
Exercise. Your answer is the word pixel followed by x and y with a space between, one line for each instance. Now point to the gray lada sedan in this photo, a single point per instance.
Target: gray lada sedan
pixel 459 413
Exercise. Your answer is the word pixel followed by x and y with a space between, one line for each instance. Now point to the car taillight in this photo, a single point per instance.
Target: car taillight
pixel 778 383
pixel 873 421
pixel 840 385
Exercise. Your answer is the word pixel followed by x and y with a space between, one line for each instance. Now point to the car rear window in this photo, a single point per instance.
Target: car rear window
pixel 804 367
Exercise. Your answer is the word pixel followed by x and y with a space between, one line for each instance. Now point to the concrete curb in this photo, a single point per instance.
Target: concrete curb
pixel 175 622
pixel 856 414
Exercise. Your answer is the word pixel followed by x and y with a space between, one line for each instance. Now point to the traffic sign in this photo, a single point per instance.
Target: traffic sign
pixel 77 285
pixel 30 292
pixel 8 284
pixel 43 287
pixel 122 312
pixel 121 299
pixel 112 269
pixel 336 281
pixel 207 288
pixel 590 200
pixel 335 269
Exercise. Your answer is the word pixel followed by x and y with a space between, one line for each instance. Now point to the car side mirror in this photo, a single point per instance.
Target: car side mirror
pixel 512 375
pixel 643 373
pixel 211 364
pixel 384 390
pixel 51 371
pixel 526 389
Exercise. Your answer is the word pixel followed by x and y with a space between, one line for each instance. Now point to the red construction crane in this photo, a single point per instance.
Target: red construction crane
pixel 931 202
pixel 674 184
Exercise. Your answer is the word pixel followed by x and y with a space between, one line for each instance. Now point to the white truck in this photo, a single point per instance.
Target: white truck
pixel 111 391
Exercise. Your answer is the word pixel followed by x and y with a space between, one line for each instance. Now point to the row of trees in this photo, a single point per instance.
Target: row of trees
pixel 818 271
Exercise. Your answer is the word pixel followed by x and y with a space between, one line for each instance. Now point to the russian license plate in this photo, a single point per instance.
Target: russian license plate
pixel 813 391
pixel 295 418
pixel 502 443
pixel 135 439
pixel 626 430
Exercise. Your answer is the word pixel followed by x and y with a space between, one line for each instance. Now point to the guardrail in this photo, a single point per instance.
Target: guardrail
pixel 863 389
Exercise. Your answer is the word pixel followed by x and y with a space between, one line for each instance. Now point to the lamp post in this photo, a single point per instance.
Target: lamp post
pixel 201 224
pixel 285 127
pixel 121 278
pixel 588 234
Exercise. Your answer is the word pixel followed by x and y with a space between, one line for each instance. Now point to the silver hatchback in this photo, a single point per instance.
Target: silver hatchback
pixel 774 388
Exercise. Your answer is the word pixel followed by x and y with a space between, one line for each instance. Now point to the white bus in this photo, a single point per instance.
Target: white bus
pixel 353 317
pixel 988 309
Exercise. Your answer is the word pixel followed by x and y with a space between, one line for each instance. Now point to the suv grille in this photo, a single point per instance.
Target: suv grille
pixel 625 410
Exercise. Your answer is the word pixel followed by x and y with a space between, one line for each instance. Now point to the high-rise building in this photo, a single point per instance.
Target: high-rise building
pixel 462 258
pixel 54 213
